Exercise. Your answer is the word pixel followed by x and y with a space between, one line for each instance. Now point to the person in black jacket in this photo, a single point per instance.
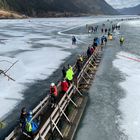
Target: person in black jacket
pixel 73 40
pixel 64 71
pixel 89 52
pixel 23 116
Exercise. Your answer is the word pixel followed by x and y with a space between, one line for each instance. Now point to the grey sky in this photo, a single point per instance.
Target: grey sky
pixel 123 3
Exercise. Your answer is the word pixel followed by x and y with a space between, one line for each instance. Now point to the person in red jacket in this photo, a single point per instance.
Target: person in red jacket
pixel 64 86
pixel 53 94
pixel 92 50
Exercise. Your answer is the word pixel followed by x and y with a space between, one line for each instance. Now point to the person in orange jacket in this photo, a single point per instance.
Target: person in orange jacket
pixel 53 94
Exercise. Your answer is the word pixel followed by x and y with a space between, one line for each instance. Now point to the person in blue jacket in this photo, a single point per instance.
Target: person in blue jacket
pixel 32 126
pixel 96 42
pixel 103 40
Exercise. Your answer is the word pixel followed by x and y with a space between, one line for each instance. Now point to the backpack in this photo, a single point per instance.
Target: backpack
pixel 28 126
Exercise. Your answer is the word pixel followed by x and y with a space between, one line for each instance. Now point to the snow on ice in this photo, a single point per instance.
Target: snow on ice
pixel 129 65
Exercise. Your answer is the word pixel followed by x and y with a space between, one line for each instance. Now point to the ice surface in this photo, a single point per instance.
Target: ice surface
pixel 32 65
pixel 133 23
pixel 130 105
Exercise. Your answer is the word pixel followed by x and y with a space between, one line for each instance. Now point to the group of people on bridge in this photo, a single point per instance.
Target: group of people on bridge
pixel 30 125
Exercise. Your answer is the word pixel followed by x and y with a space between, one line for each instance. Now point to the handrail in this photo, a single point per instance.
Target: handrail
pixel 36 112
pixel 54 114
pixel 81 72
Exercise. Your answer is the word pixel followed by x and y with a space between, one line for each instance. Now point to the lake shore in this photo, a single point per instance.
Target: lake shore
pixel 11 15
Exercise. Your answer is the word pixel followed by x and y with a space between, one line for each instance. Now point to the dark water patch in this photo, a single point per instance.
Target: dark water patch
pixel 41 45
pixel 6 35
pixel 12 54
pixel 14 99
pixel 33 40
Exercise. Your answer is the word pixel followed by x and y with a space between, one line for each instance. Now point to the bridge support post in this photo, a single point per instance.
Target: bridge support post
pixel 87 74
pixel 64 113
pixel 78 90
pixel 85 79
pixel 53 123
pixel 72 101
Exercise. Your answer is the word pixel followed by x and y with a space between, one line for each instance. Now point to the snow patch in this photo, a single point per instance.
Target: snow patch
pixel 131 103
pixel 133 23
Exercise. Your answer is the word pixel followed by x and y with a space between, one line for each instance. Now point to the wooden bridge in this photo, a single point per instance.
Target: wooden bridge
pixel 62 122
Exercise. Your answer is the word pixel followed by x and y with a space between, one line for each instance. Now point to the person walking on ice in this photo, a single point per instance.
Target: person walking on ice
pixel 74 40
pixel 121 41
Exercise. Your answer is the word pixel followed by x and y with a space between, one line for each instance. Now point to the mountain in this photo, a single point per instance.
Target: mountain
pixel 42 8
pixel 130 11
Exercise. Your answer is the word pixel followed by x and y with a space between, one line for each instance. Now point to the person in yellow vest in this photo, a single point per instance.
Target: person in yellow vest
pixel 69 74
pixel 121 40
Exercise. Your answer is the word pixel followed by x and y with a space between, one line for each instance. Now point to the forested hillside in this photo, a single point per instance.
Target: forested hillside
pixel 45 7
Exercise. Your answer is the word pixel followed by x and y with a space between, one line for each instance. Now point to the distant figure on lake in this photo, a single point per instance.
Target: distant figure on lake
pixel 103 40
pixel 74 40
pixel 121 41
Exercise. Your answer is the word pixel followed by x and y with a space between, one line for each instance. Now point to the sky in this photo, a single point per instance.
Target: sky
pixel 123 3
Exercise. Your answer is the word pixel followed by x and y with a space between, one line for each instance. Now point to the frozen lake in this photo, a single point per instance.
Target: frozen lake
pixel 41 46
